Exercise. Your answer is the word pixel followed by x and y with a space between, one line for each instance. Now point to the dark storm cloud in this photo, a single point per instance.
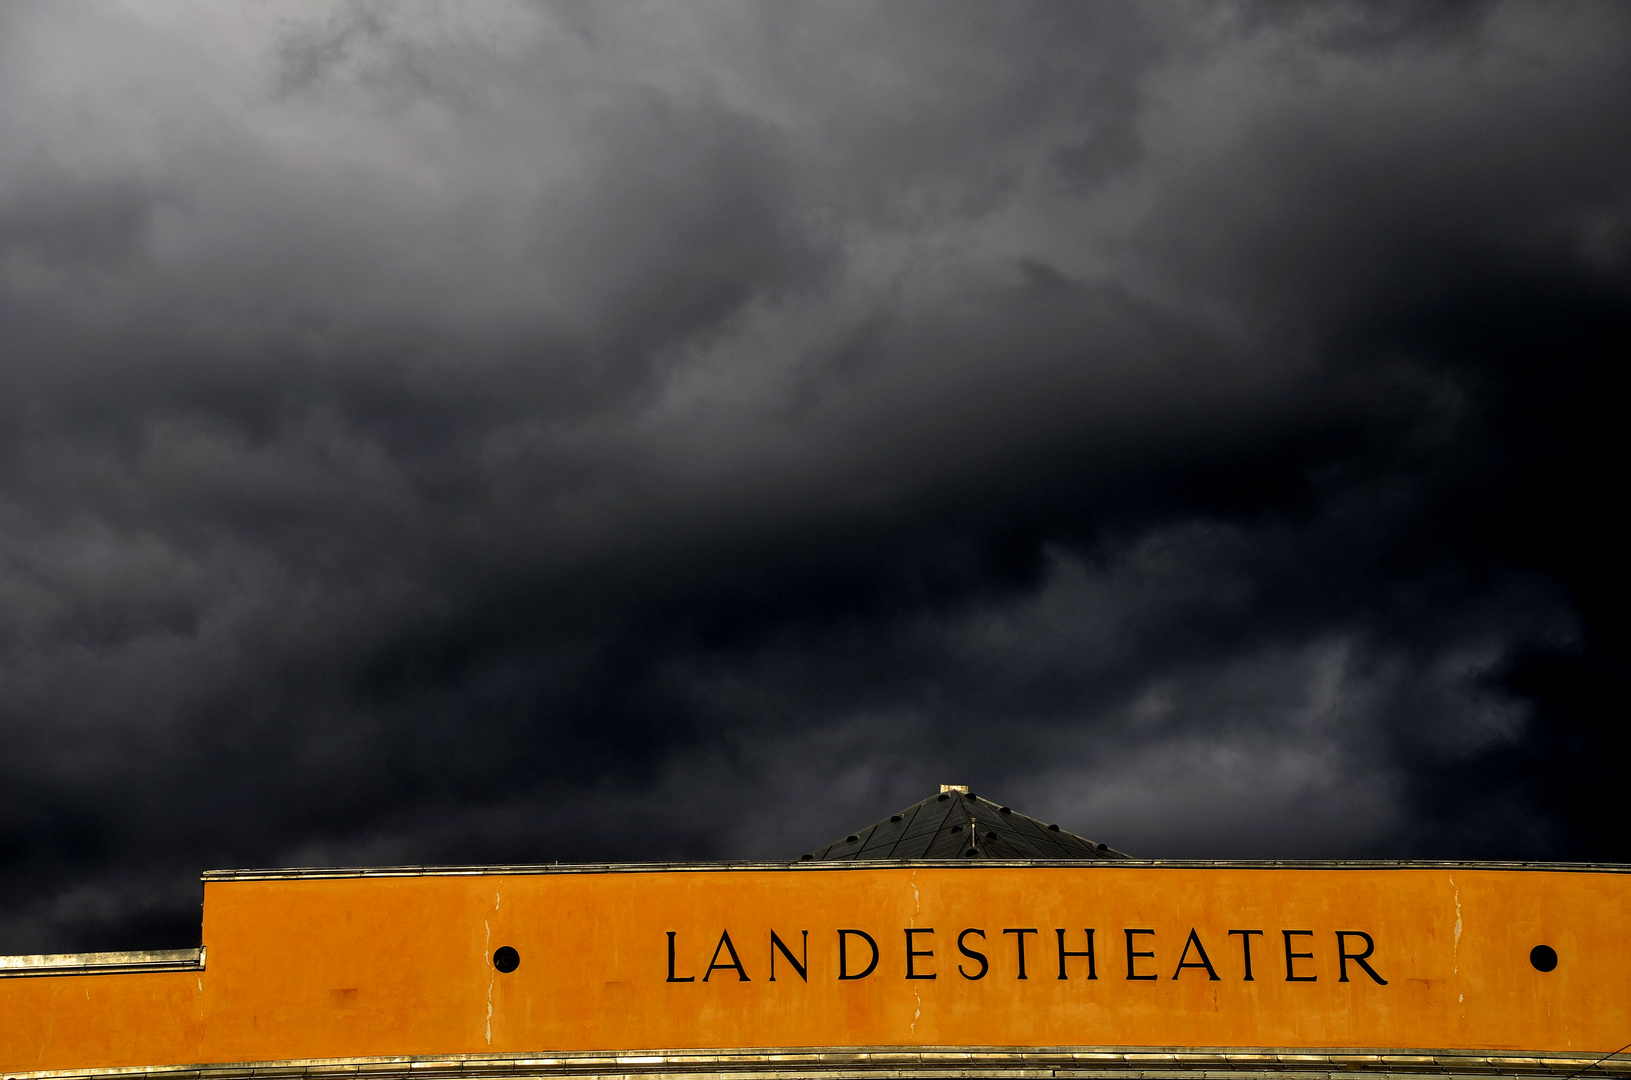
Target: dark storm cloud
pixel 521 432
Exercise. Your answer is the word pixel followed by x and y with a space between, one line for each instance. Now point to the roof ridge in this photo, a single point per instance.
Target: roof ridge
pixel 910 834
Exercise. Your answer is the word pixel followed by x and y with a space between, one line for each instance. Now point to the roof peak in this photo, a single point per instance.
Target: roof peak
pixel 958 824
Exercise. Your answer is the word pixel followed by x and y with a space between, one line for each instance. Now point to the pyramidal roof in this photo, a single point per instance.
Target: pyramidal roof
pixel 957 824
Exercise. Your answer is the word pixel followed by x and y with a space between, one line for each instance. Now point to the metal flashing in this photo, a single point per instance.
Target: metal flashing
pixel 102 963
pixel 907 1063
pixel 318 872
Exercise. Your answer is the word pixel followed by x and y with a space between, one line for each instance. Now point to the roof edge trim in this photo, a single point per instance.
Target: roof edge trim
pixel 907 1061
pixel 101 963
pixel 1107 865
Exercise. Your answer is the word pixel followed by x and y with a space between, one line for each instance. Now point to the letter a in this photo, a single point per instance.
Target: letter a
pixel 1194 942
pixel 736 961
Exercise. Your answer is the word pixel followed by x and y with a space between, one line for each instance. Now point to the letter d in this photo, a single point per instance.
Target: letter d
pixel 843 953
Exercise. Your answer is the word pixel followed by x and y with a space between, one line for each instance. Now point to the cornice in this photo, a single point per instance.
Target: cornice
pixel 907 1063
pixel 851 865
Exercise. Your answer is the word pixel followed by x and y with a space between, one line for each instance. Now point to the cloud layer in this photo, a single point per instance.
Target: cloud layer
pixel 531 433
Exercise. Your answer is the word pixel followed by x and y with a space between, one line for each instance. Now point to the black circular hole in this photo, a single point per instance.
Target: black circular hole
pixel 506 959
pixel 944 796
pixel 806 858
pixel 1103 847
pixel 851 838
pixel 1004 810
pixel 894 817
pixel 1055 828
pixel 1544 957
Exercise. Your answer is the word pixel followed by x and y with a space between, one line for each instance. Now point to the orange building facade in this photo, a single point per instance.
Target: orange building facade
pixel 927 968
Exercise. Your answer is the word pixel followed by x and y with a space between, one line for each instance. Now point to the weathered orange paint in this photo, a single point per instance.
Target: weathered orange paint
pixel 349 967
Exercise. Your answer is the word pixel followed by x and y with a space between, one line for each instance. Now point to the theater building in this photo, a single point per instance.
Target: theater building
pixel 957 938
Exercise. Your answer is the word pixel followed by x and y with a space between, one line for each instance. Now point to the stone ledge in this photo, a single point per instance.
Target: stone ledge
pixel 907 1063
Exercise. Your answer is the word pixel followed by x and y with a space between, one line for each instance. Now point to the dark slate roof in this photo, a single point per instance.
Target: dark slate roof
pixel 957 824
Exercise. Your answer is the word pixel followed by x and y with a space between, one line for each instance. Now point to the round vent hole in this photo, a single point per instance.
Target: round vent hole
pixel 1544 957
pixel 506 959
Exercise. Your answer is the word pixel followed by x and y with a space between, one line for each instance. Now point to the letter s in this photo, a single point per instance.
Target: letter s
pixel 972 955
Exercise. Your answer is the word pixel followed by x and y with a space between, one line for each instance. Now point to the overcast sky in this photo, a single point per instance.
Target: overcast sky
pixel 501 432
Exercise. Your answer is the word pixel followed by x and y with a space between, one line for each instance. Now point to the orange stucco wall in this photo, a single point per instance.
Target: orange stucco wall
pixel 385 966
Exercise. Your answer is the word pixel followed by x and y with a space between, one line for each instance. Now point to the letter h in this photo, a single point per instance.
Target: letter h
pixel 1092 970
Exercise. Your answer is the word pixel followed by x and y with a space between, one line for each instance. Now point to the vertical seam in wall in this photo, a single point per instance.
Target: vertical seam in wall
pixel 487 951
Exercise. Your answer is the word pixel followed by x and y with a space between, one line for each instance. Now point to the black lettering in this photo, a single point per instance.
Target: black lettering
pixel 1132 956
pixel 1194 942
pixel 671 978
pixel 1019 936
pixel 735 964
pixel 1291 976
pixel 776 943
pixel 912 953
pixel 1246 949
pixel 1359 958
pixel 972 955
pixel 1092 972
pixel 843 953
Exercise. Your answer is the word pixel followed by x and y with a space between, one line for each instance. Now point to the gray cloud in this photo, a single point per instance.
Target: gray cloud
pixel 536 432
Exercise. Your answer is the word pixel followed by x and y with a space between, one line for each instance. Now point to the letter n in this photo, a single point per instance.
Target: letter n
pixel 776 943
